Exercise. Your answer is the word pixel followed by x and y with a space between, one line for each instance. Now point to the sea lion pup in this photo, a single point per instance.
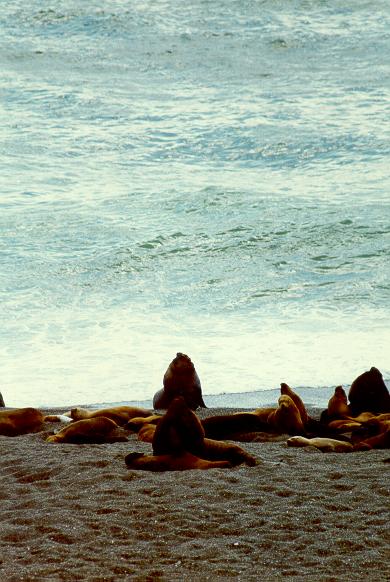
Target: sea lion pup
pixel 181 462
pixel 368 392
pixel 287 391
pixel 20 421
pixel 119 414
pixel 180 379
pixel 91 430
pixel 286 418
pixel 229 426
pixel 323 444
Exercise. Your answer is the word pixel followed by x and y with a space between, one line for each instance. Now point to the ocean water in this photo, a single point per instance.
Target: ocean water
pixel 204 177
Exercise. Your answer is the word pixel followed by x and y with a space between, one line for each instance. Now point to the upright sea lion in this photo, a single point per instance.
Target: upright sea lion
pixel 323 444
pixel 91 430
pixel 287 391
pixel 2 405
pixel 368 392
pixel 179 443
pixel 119 414
pixel 286 418
pixel 180 379
pixel 338 405
pixel 20 421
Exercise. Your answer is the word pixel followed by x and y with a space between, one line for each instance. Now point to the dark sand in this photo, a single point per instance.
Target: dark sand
pixel 75 512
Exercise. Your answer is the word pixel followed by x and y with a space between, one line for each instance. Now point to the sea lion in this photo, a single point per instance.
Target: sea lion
pixel 338 404
pixel 58 418
pixel 136 423
pixel 181 462
pixel 379 441
pixel 2 405
pixel 179 430
pixel 220 450
pixel 286 390
pixel 368 392
pixel 20 421
pixel 119 414
pixel 323 444
pixel 91 430
pixel 146 433
pixel 228 426
pixel 180 379
pixel 286 418
pixel 343 425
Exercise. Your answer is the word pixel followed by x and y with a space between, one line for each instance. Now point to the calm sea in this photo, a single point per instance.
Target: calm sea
pixel 204 177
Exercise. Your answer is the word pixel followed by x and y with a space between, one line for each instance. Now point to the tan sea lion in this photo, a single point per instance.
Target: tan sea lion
pixel 286 418
pixel 91 430
pixel 181 462
pixel 323 444
pixel 135 424
pixel 180 379
pixel 146 433
pixel 20 421
pixel 119 414
pixel 286 390
pixel 368 392
pixel 338 404
pixel 343 424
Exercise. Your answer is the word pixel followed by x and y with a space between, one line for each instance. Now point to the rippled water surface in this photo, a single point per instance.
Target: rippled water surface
pixel 209 177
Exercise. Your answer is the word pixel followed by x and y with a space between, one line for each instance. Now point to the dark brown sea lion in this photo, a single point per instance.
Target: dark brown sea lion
pixel 180 379
pixel 180 433
pixel 181 462
pixel 91 430
pixel 20 421
pixel 379 441
pixel 119 414
pixel 2 405
pixel 286 418
pixel 368 392
pixel 227 426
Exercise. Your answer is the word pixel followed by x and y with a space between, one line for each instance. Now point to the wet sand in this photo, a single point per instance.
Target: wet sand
pixel 75 512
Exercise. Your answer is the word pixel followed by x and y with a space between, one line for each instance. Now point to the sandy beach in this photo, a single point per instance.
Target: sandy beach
pixel 75 512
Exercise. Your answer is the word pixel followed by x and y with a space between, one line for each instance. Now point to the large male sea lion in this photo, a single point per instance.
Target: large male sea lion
pixel 286 418
pixel 91 430
pixel 179 443
pixel 368 392
pixel 119 414
pixel 180 379
pixel 20 421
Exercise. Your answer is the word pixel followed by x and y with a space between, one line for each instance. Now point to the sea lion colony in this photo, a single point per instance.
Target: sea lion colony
pixel 181 440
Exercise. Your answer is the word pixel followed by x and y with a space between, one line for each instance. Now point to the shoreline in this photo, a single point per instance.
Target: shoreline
pixel 75 512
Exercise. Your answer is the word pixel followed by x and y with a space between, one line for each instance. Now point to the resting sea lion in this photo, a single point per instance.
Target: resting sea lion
pixel 323 444
pixel 146 433
pixel 227 426
pixel 181 462
pixel 136 423
pixel 20 421
pixel 379 441
pixel 286 418
pixel 91 430
pixel 286 390
pixel 368 392
pixel 119 414
pixel 180 379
